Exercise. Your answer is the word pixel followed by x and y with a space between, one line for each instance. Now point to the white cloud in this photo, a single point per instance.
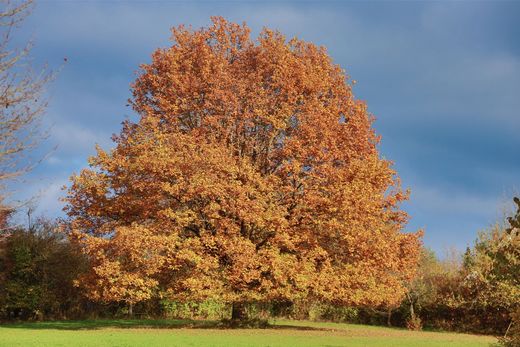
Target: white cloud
pixel 78 140
pixel 420 65
pixel 447 201
pixel 48 201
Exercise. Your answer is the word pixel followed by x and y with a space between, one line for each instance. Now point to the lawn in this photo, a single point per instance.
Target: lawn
pixel 165 333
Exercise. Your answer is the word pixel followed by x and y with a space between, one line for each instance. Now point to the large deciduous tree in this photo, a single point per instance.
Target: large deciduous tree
pixel 252 174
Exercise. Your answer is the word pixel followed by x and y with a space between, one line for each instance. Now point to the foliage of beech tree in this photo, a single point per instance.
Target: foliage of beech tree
pixel 252 174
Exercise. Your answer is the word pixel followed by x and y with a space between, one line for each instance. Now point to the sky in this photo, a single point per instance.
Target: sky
pixel 441 78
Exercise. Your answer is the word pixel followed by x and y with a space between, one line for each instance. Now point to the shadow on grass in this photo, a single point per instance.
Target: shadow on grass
pixel 112 323
pixel 297 327
pixel 142 324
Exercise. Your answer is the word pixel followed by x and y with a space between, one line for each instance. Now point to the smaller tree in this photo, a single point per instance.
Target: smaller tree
pixel 37 270
pixel 436 281
pixel 492 273
pixel 422 289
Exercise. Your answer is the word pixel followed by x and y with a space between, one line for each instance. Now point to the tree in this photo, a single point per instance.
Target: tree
pixel 21 100
pixel 494 277
pixel 21 107
pixel 252 175
pixel 490 280
pixel 434 295
pixel 37 269
pixel 422 290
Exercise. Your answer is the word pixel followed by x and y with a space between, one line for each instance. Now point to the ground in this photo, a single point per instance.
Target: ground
pixel 170 333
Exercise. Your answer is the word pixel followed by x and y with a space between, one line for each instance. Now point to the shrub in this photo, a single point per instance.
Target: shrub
pixel 208 309
pixel 414 323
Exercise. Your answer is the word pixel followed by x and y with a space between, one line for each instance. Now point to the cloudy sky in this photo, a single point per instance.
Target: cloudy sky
pixel 442 79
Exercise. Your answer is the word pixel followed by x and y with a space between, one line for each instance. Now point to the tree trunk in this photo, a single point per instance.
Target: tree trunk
pixel 508 327
pixel 412 312
pixel 131 309
pixel 238 312
pixel 389 318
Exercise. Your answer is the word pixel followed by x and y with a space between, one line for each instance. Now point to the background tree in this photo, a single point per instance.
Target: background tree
pixel 253 174
pixel 37 269
pixel 495 271
pixel 21 107
pixel 478 294
pixel 435 287
pixel 492 279
pixel 422 290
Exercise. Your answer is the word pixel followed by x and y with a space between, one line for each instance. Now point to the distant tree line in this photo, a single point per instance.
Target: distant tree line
pixel 478 293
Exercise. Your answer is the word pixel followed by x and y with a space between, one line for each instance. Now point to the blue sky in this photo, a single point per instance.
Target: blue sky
pixel 442 79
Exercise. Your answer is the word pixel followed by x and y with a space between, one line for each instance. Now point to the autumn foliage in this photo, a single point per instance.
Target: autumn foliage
pixel 252 175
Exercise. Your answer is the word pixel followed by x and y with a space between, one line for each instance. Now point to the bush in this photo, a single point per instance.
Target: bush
pixel 314 311
pixel 414 323
pixel 209 309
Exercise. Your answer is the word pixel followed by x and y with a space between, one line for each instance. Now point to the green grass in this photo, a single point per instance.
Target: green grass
pixel 169 333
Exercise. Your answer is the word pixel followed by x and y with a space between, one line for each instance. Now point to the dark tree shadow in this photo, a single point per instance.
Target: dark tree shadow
pixel 144 324
pixel 298 327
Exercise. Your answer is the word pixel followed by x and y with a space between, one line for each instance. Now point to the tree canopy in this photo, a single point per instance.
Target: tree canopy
pixel 252 174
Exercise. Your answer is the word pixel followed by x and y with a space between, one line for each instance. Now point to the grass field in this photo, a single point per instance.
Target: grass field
pixel 166 333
